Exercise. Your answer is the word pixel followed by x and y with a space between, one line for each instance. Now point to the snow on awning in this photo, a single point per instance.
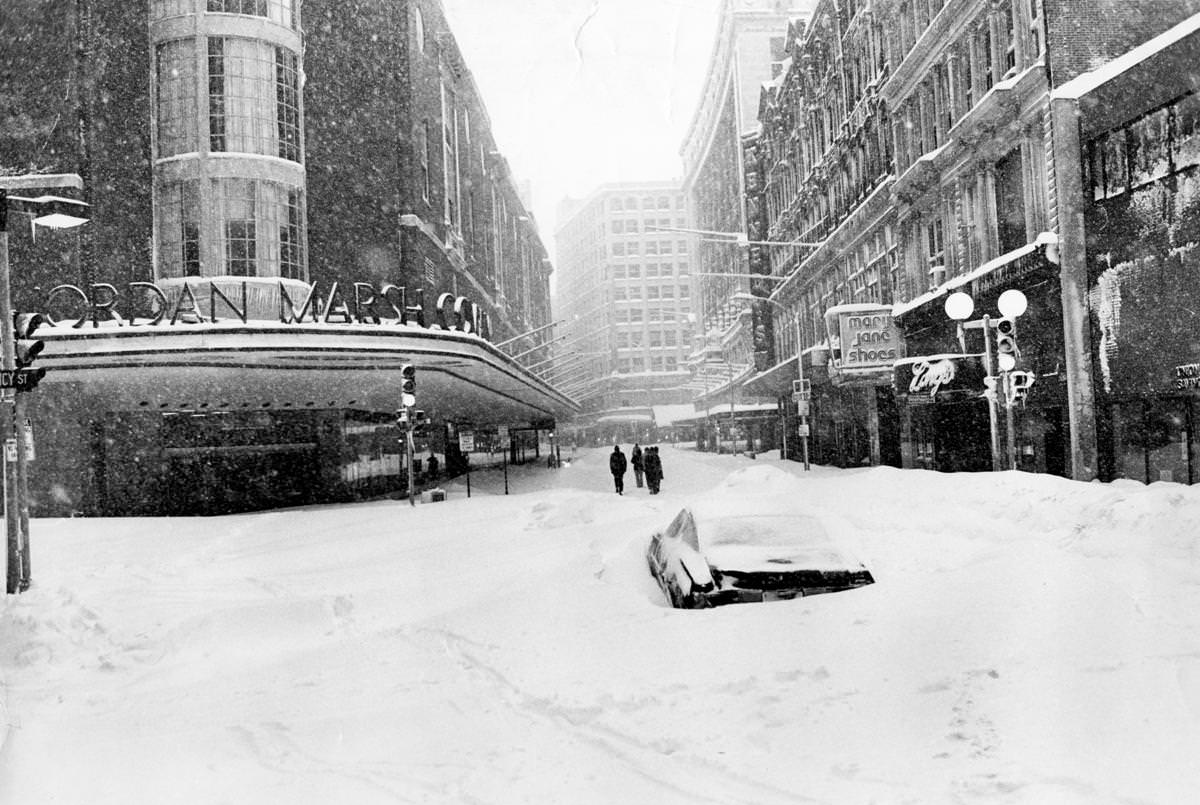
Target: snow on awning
pixel 670 414
pixel 625 417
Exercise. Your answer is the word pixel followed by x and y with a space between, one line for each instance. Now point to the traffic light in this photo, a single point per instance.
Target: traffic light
pixel 408 385
pixel 402 419
pixel 1006 341
pixel 26 349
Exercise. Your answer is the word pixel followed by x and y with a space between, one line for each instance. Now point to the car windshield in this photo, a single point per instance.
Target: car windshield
pixel 766 531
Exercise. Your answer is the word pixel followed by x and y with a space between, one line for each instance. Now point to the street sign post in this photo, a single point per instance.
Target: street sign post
pixel 466 444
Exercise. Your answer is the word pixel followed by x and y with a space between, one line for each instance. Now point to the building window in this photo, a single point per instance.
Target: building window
pixel 450 169
pixel 280 11
pixel 161 9
pixel 1010 202
pixel 287 102
pixel 253 98
pixel 424 154
pixel 178 209
pixel 1010 39
pixel 240 251
pixel 1035 28
pixel 935 246
pixel 635 272
pixel 176 98
pixel 261 225
pixel 291 244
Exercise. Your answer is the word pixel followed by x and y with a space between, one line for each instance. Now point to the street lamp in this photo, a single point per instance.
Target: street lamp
pixel 801 405
pixel 1012 304
pixel 59 213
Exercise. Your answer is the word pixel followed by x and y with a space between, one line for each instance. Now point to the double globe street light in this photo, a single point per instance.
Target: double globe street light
pixel 1013 384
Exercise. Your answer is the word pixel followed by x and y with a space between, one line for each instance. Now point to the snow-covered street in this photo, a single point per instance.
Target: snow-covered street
pixel 1028 640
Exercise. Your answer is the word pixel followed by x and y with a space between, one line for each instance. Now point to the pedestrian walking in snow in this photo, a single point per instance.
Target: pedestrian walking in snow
pixel 617 466
pixel 654 474
pixel 635 458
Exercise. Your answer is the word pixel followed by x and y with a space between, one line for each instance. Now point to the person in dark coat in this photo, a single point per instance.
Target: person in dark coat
pixel 635 458
pixel 617 465
pixel 654 473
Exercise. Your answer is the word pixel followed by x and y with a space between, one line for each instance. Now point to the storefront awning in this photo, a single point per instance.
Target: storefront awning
pixel 665 415
pixel 774 381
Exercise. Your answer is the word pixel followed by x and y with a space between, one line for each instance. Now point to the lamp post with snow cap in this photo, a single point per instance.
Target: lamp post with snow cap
pixel 55 212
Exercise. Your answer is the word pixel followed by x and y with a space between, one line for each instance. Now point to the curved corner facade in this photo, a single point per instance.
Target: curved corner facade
pixel 227 139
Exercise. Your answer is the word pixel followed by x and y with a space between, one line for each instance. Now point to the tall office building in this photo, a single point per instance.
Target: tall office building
pixel 624 295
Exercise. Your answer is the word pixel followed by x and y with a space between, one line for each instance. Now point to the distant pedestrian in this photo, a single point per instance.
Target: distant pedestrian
pixel 654 473
pixel 635 458
pixel 617 466
pixel 431 468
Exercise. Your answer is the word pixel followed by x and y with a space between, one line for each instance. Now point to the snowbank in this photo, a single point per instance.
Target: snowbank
pixel 1027 640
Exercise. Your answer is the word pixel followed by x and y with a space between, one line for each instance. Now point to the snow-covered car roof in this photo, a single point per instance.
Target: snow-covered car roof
pixel 754 541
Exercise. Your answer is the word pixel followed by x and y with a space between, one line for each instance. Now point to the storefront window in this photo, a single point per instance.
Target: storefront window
pixel 1151 442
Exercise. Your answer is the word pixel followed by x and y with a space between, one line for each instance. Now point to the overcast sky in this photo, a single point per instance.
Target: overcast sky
pixel 582 92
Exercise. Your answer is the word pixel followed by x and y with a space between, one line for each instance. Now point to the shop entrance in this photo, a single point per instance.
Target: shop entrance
pixel 1156 440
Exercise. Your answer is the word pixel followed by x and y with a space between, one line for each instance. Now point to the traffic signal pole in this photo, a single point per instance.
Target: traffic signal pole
pixel 57 212
pixel 16 539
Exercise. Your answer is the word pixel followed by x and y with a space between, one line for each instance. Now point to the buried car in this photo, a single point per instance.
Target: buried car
pixel 707 557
